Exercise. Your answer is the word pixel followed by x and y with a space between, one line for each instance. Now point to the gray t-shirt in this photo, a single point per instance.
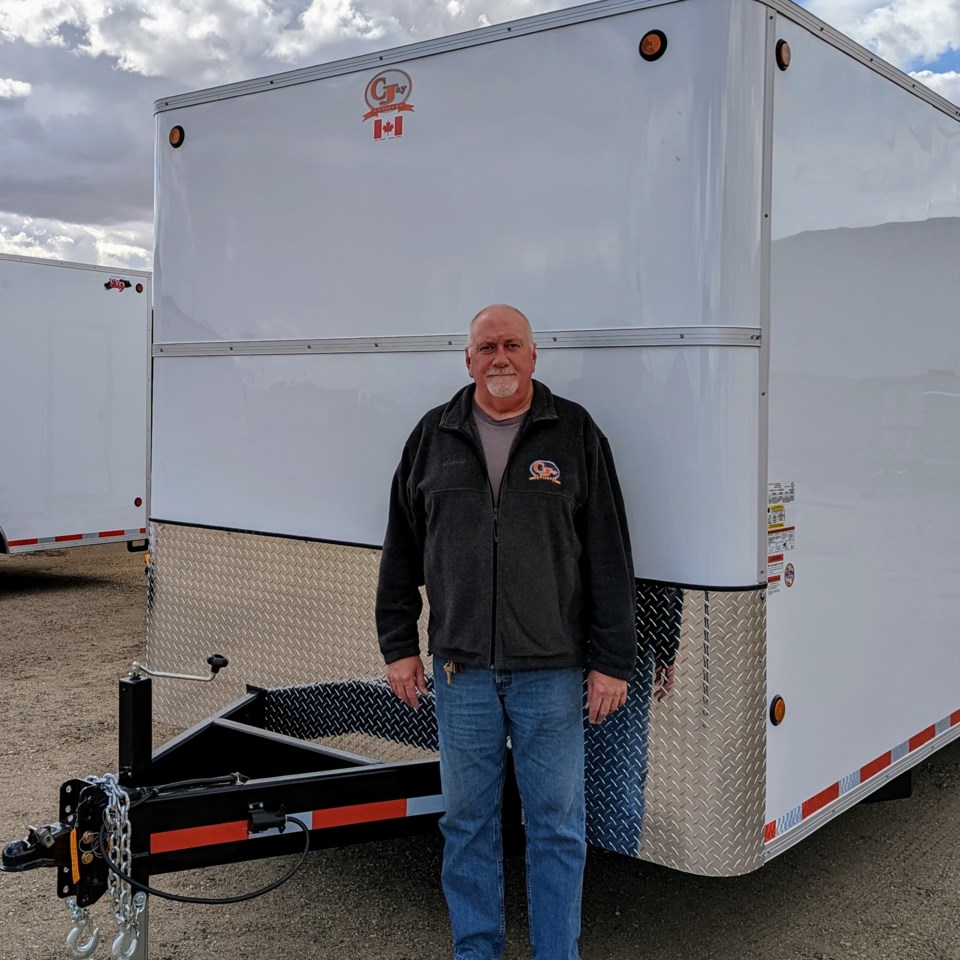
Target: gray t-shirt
pixel 497 437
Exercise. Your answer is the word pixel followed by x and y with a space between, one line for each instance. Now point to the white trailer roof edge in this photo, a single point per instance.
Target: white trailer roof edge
pixel 411 51
pixel 73 265
pixel 536 24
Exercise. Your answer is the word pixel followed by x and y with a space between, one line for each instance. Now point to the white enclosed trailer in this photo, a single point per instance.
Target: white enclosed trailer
pixel 74 364
pixel 741 261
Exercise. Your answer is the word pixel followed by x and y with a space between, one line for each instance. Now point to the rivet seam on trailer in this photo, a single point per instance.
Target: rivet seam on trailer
pixel 168 841
pixel 797 815
pixel 71 537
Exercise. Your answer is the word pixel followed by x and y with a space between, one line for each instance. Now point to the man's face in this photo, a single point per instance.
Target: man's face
pixel 501 356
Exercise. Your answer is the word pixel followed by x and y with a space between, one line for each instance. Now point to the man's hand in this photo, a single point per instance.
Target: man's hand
pixel 663 681
pixel 604 695
pixel 406 677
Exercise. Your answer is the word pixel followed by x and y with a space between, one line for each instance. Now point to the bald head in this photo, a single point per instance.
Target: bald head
pixel 499 311
pixel 501 358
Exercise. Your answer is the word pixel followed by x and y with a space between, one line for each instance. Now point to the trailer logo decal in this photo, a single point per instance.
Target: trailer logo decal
pixel 388 92
pixel 545 470
pixel 114 283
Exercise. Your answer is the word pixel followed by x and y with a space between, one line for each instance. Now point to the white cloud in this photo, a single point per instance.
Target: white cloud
pixel 326 21
pixel 946 84
pixel 14 89
pixel 904 32
pixel 218 41
pixel 124 245
pixel 76 129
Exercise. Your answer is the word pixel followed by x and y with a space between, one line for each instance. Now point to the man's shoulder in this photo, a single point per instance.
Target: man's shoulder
pixel 570 408
pixel 435 416
pixel 570 414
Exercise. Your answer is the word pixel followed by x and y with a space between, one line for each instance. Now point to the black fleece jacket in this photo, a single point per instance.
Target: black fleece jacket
pixel 544 579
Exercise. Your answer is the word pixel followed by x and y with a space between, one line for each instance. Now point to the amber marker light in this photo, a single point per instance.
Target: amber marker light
pixel 176 136
pixel 783 54
pixel 653 45
pixel 778 710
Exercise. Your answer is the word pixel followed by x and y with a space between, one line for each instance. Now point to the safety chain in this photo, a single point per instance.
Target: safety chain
pixel 127 906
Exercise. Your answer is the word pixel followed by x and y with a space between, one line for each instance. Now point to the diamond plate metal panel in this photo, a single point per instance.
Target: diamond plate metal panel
pixel 617 754
pixel 678 780
pixel 706 784
pixel 289 614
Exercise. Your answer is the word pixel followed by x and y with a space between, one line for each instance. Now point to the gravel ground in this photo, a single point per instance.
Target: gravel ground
pixel 882 881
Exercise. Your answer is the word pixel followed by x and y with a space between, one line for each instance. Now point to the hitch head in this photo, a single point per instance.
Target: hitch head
pixel 39 848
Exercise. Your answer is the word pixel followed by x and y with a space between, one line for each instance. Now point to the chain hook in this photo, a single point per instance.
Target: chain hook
pixel 125 942
pixel 82 928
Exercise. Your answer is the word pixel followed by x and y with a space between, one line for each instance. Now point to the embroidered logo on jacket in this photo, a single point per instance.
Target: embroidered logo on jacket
pixel 545 470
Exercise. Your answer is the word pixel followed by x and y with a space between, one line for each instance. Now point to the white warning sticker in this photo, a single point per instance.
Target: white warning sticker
pixel 781 493
pixel 781 539
pixel 781 535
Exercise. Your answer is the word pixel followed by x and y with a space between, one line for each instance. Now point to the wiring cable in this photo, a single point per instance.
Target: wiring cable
pixel 213 901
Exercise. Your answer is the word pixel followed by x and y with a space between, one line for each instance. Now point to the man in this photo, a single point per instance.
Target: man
pixel 507 507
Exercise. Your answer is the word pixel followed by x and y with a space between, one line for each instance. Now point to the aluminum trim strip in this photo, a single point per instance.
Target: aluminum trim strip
pixel 46 262
pixel 412 51
pixel 814 821
pixel 712 336
pixel 766 241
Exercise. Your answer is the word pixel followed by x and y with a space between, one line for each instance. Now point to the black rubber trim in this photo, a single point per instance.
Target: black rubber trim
pixel 704 588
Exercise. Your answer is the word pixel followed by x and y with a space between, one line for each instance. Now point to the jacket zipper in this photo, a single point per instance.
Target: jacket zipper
pixel 496 575
pixel 495 503
pixel 496 541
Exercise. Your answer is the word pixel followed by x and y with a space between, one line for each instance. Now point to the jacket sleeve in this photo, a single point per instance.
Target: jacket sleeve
pixel 608 573
pixel 399 602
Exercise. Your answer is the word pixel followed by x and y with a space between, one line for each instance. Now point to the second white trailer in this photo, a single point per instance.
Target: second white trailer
pixel 734 232
pixel 74 390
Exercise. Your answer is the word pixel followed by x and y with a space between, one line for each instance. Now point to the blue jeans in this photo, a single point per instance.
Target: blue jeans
pixel 542 713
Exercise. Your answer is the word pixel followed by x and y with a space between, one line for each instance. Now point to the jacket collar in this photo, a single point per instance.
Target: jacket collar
pixel 458 413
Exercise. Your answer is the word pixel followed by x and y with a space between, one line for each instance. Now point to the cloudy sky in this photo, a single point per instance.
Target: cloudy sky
pixel 78 79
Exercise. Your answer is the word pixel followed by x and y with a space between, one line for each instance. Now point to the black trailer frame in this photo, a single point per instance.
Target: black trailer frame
pixel 182 818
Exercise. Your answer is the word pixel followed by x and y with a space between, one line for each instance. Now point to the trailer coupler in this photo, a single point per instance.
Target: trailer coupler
pixel 71 845
pixel 37 849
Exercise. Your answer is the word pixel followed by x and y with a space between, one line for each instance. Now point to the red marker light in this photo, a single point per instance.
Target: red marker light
pixel 784 54
pixel 653 45
pixel 139 289
pixel 778 710
pixel 138 502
